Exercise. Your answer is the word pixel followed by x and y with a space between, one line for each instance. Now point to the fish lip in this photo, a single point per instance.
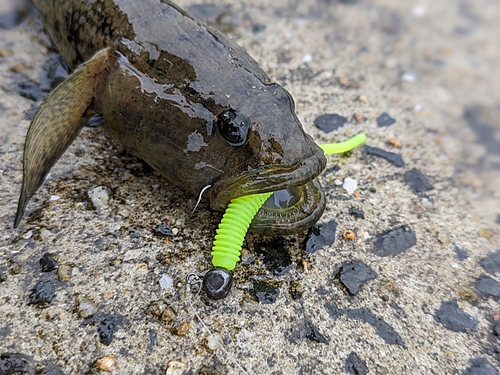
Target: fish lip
pixel 269 179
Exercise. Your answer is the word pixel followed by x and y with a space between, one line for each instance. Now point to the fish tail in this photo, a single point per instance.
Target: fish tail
pixel 58 122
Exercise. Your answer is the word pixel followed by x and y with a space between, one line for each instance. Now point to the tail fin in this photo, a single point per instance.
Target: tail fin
pixel 58 122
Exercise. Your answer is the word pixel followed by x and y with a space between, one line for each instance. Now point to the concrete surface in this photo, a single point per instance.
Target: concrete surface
pixel 431 309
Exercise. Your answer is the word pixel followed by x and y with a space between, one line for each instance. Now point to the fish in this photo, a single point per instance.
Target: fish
pixel 183 97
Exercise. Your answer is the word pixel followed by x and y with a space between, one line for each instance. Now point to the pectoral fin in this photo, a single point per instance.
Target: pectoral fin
pixel 59 120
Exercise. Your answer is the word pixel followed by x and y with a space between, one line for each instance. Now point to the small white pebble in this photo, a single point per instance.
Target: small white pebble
pixel 175 231
pixel 213 341
pixel 350 185
pixel 307 58
pixel 176 368
pixel 408 77
pixel 99 197
pixel 27 235
pixel 338 182
pixel 54 198
pixel 166 282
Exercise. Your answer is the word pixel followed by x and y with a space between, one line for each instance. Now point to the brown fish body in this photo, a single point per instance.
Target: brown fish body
pixel 179 95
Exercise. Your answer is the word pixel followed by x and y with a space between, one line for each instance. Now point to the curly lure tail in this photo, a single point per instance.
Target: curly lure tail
pixel 233 228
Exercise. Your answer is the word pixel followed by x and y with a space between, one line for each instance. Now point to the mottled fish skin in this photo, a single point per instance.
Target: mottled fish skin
pixel 166 86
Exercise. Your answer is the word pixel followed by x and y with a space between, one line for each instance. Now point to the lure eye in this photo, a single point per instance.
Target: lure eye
pixel 233 127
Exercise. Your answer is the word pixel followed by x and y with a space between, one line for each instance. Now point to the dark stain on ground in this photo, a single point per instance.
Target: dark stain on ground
pixel 488 287
pixel 485 122
pixel 491 263
pixel 391 157
pixel 306 330
pixel 352 275
pixel 460 253
pixel 383 329
pixel 15 363
pixel 355 365
pixel 275 254
pixel 48 262
pixel 417 181
pixel 454 318
pixel 480 366
pixel 263 292
pixel 320 236
pixel 356 212
pixel 394 241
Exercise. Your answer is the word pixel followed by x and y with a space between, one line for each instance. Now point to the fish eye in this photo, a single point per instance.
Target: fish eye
pixel 233 127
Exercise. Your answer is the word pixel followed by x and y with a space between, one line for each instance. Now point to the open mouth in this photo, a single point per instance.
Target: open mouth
pixel 297 203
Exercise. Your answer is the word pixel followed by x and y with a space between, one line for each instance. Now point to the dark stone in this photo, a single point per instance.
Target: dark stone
pixel 491 263
pixel 352 275
pixel 153 337
pixel 264 292
pixel 355 365
pixel 394 241
pixel 385 120
pixel 320 235
pixel 163 230
pixel 15 364
pixel 455 319
pixel 330 122
pixel 106 330
pixel 480 366
pixel 496 329
pixel 416 180
pixel 384 330
pixel 94 121
pixel 461 254
pixel 3 277
pixel 391 157
pixel 43 293
pixel 488 287
pixel 312 333
pixel 274 253
pixel 358 213
pixel 48 263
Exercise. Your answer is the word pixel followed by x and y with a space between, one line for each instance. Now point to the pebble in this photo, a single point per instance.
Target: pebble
pixel 64 272
pixel 488 287
pixel 357 213
pixel 161 310
pixel 330 122
pixel 43 293
pixel 106 363
pixel 263 292
pixel 408 77
pixel 183 329
pixel 349 234
pixel 85 307
pixel 163 230
pixel 385 120
pixel 313 334
pixel 391 157
pixel 15 363
pixel 350 185
pixel 54 198
pixel 416 180
pixel 106 330
pixel 320 236
pixel 176 368
pixel 355 365
pixel 6 52
pixel 99 197
pixel 394 241
pixel 352 275
pixel 166 282
pixel 48 262
pixel 213 341
pixel 395 143
pixel 454 318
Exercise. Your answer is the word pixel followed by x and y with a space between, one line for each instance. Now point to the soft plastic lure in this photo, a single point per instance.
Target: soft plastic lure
pixel 234 226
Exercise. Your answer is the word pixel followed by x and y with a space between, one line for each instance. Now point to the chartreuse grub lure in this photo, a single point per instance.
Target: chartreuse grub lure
pixel 234 226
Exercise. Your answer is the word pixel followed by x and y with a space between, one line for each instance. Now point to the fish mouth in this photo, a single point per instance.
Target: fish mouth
pixel 303 202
